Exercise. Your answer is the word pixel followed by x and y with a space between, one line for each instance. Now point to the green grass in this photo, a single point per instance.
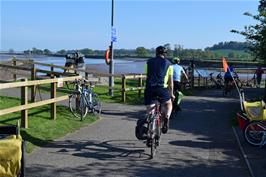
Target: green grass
pixel 103 92
pixel 42 129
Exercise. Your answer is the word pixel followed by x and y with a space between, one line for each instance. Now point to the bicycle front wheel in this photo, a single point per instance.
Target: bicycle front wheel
pixel 253 133
pixel 77 105
pixel 96 104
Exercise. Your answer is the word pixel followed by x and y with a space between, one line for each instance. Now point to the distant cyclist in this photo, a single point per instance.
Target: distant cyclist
pixel 178 71
pixel 159 84
pixel 258 72
pixel 228 78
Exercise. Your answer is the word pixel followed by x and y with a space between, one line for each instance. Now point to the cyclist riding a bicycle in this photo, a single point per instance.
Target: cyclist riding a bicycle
pixel 178 71
pixel 228 77
pixel 159 84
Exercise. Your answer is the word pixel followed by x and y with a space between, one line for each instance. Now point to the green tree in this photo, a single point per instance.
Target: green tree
pixel 62 52
pixel 46 52
pixel 142 52
pixel 169 50
pixel 36 51
pixel 87 51
pixel 11 51
pixel 256 34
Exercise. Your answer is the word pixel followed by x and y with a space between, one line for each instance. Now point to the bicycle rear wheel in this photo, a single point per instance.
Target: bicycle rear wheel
pixel 77 105
pixel 153 147
pixel 253 133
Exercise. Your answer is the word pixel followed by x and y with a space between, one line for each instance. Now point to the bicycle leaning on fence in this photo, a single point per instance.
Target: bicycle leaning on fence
pixel 218 81
pixel 84 100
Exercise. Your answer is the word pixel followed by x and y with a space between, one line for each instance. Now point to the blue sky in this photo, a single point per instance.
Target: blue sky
pixel 69 24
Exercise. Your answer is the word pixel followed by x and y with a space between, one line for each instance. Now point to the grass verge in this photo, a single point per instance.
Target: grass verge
pixel 42 129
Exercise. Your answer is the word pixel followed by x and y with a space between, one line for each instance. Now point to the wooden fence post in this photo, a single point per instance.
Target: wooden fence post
pixel 199 81
pixel 24 101
pixel 53 95
pixel 14 63
pixel 33 88
pixel 86 77
pixel 140 84
pixel 123 88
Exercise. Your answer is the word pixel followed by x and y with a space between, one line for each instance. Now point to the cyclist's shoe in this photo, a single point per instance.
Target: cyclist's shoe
pixel 148 142
pixel 165 126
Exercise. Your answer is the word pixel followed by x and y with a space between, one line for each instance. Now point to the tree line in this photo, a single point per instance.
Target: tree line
pixel 232 45
pixel 232 50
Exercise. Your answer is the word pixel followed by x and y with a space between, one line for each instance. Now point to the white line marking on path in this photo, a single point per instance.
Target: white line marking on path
pixel 243 154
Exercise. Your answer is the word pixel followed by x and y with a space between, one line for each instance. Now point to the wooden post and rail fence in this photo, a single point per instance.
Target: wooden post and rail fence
pixel 197 81
pixel 33 73
pixel 25 105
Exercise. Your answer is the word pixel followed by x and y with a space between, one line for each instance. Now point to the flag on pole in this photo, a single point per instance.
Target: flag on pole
pixel 225 65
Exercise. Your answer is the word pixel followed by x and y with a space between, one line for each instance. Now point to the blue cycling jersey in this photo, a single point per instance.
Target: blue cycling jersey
pixel 158 72
pixel 227 74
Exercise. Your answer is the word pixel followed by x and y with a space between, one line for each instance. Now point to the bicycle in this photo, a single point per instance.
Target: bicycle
pixel 155 123
pixel 252 121
pixel 84 100
pixel 228 87
pixel 250 82
pixel 218 82
pixel 255 133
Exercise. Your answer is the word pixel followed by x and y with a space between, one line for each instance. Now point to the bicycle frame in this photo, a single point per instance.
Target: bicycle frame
pixel 154 127
pixel 87 94
pixel 83 100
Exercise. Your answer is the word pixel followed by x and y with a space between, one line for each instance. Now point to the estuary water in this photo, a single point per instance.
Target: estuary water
pixel 121 66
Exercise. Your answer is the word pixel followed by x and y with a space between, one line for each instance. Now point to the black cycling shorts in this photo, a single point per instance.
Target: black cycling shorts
pixel 154 94
pixel 177 86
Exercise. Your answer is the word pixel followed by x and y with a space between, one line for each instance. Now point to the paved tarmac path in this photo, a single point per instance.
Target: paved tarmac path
pixel 200 143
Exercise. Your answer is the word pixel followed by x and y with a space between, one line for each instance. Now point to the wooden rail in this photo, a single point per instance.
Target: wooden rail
pixel 139 87
pixel 75 70
pixel 24 97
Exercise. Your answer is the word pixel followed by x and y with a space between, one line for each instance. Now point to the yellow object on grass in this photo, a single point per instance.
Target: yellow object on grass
pixel 10 156
pixel 255 110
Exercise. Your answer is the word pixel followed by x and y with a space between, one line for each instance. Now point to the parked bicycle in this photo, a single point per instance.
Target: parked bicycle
pixel 250 82
pixel 84 100
pixel 218 81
